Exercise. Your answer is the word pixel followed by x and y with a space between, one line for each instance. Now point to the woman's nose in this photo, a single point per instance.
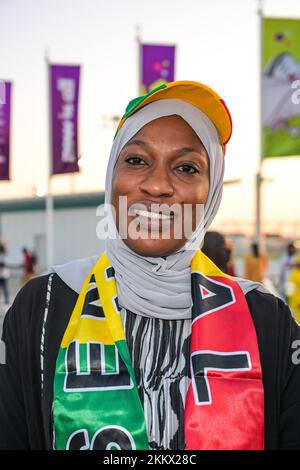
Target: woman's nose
pixel 157 183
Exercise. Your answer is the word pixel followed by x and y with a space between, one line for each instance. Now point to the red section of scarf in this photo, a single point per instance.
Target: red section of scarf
pixel 235 417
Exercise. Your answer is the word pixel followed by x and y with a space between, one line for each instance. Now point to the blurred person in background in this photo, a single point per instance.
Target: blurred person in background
pixel 286 264
pixel 4 274
pixel 256 265
pixel 29 265
pixel 292 290
pixel 215 248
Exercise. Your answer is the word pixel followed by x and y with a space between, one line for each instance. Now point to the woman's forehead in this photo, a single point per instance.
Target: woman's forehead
pixel 166 121
pixel 173 127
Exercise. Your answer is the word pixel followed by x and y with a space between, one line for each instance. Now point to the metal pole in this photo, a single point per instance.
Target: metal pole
pixel 259 178
pixel 72 183
pixel 139 52
pixel 49 196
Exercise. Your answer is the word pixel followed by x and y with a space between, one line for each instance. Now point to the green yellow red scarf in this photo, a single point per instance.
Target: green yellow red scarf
pixel 96 403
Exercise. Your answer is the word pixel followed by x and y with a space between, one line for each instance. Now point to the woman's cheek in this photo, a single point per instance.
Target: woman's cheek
pixel 203 192
pixel 123 183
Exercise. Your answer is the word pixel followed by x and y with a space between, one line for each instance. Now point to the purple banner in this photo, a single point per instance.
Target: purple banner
pixel 64 97
pixel 157 66
pixel 5 102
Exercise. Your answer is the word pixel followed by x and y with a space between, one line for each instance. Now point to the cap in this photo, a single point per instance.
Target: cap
pixel 197 94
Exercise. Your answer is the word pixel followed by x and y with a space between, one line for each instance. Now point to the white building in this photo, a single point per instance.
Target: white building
pixel 23 224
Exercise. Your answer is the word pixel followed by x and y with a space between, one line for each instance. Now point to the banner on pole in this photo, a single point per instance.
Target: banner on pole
pixel 5 110
pixel 64 100
pixel 281 87
pixel 157 66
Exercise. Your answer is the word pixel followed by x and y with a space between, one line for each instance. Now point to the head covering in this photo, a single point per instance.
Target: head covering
pixel 197 94
pixel 155 286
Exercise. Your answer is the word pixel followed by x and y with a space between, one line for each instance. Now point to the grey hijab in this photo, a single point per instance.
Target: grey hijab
pixel 153 286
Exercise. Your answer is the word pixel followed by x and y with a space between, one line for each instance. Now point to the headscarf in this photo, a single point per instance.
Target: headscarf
pixel 155 286
pixel 158 287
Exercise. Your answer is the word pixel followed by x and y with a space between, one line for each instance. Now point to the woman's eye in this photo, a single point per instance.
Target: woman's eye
pixel 135 160
pixel 187 169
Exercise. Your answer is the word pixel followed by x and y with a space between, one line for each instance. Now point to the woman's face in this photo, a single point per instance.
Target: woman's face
pixel 164 163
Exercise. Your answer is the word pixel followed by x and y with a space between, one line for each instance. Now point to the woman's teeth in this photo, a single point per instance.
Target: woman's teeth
pixel 153 215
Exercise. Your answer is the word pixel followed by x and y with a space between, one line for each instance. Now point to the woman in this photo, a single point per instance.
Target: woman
pixel 151 345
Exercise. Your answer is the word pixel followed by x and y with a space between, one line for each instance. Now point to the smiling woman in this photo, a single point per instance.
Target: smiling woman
pixel 150 345
pixel 164 164
pixel 160 182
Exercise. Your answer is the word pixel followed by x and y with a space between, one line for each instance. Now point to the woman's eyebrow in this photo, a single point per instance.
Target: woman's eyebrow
pixel 141 143
pixel 181 150
pixel 189 150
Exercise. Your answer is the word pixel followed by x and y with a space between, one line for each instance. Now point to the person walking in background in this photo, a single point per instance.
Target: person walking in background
pixel 4 274
pixel 286 264
pixel 293 289
pixel 256 265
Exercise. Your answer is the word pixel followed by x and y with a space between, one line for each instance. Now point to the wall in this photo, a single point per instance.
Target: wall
pixel 74 234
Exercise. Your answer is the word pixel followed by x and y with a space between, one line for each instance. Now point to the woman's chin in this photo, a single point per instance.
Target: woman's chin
pixel 154 248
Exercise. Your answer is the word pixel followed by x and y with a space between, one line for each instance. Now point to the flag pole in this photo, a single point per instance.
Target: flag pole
pixel 259 177
pixel 139 66
pixel 49 196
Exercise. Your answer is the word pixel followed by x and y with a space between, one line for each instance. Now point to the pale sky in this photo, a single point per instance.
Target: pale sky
pixel 216 45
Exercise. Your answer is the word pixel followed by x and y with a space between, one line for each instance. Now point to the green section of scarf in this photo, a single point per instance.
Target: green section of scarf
pixel 94 383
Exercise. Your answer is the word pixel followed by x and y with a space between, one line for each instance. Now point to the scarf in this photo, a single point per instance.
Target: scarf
pixel 96 403
pixel 154 286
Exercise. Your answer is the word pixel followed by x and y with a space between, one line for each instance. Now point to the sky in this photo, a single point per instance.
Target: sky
pixel 217 44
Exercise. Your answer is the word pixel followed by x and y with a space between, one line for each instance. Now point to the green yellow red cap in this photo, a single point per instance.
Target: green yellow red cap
pixel 197 94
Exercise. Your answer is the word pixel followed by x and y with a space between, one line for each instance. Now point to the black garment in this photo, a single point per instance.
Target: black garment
pixel 25 412
pixel 160 357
